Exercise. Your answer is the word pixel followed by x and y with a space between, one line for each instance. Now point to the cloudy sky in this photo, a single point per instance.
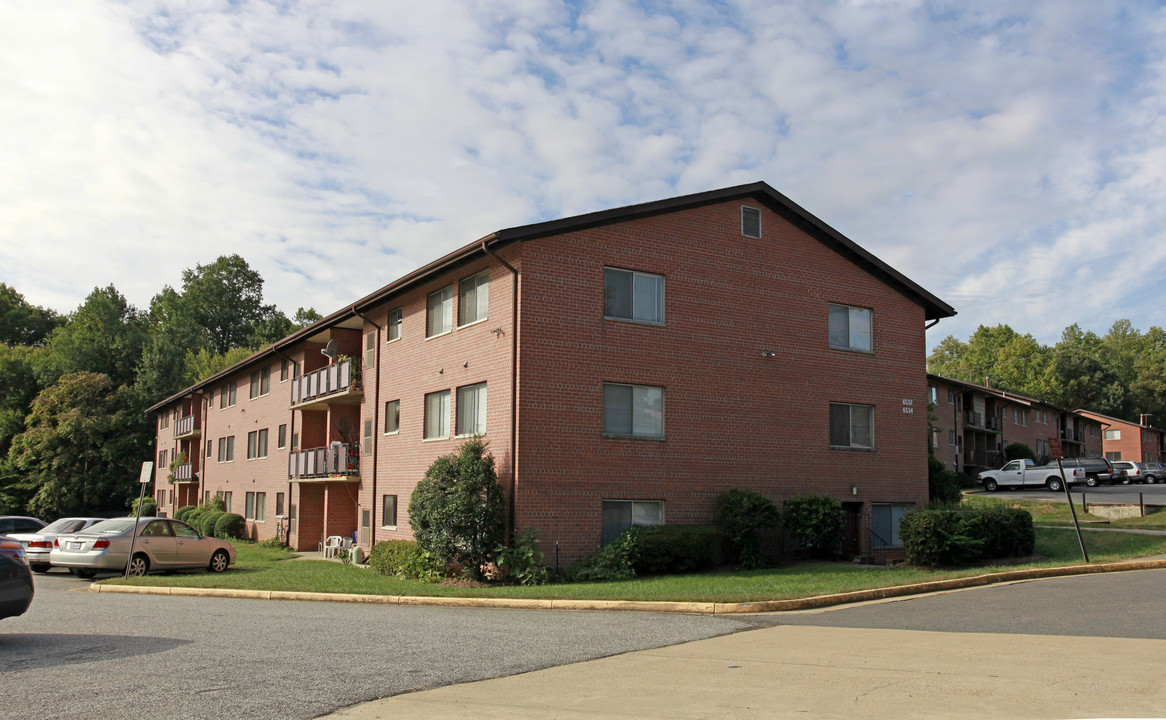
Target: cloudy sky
pixel 1009 157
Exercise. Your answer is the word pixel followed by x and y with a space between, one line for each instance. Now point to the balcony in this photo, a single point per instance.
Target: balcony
pixel 339 383
pixel 185 473
pixel 185 427
pixel 983 458
pixel 980 420
pixel 1075 436
pixel 335 462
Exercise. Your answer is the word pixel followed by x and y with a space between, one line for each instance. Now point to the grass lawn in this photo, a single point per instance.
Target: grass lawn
pixel 263 569
pixel 1058 513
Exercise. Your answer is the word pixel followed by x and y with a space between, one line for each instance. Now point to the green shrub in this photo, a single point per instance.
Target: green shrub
pixel 963 535
pixel 523 560
pixel 182 512
pixel 610 564
pixel 149 507
pixel 208 520
pixel 404 559
pixel 816 524
pixel 275 543
pixel 654 549
pixel 230 525
pixel 944 488
pixel 456 511
pixel 1018 451
pixel 741 516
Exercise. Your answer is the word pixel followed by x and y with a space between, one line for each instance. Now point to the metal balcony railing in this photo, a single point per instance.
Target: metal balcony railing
pixel 323 462
pixel 184 473
pixel 338 378
pixel 184 426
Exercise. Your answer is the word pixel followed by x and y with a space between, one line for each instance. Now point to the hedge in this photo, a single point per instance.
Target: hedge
pixel 963 535
pixel 655 549
pixel 230 525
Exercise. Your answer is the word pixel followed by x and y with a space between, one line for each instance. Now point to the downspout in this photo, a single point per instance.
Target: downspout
pixel 376 408
pixel 512 484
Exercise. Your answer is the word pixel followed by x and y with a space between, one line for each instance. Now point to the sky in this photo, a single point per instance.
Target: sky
pixel 1008 157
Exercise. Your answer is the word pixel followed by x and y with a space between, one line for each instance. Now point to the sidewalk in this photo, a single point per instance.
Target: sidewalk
pixel 820 672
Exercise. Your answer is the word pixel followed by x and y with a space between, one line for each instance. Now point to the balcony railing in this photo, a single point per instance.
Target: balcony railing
pixel 184 473
pixel 1072 435
pixel 323 462
pixel 184 426
pixel 983 458
pixel 981 420
pixel 332 380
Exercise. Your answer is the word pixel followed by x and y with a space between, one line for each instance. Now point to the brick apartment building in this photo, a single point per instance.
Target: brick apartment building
pixel 1125 440
pixel 625 366
pixel 974 423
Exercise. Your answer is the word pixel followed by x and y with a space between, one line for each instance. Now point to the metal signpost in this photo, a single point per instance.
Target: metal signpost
pixel 1055 448
pixel 144 480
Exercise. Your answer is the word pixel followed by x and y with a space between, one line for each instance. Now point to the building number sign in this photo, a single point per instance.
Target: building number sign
pixel 908 406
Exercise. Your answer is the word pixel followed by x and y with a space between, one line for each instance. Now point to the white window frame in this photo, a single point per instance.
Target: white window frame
pixel 642 310
pixel 370 349
pixel 755 214
pixel 471 409
pixel 473 304
pixel 385 518
pixel 850 431
pixel 638 405
pixel 395 325
pixel 639 512
pixel 1112 435
pixel 436 426
pixel 393 410
pixel 439 312
pixel 851 312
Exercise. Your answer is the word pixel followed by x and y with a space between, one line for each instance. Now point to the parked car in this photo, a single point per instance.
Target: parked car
pixel 1153 472
pixel 1026 473
pixel 16 524
pixel 161 544
pixel 1098 470
pixel 38 545
pixel 1135 472
pixel 16 588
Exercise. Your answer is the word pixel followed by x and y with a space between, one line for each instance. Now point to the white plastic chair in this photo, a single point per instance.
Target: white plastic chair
pixel 332 546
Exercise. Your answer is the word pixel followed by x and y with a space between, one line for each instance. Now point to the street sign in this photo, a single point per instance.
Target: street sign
pixel 147 473
pixel 1055 448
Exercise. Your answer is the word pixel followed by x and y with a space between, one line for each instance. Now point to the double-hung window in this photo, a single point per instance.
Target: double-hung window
pixel 440 312
pixel 473 298
pixel 471 409
pixel 393 331
pixel 227 449
pixel 851 426
pixel 619 515
pixel 636 410
pixel 437 415
pixel 392 416
pixel 389 512
pixel 257 444
pixel 631 295
pixel 850 328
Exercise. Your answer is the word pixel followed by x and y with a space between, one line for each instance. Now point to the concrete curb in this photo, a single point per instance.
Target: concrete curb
pixel 648 606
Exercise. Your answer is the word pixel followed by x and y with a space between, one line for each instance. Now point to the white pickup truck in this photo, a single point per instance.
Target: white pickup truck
pixel 1026 473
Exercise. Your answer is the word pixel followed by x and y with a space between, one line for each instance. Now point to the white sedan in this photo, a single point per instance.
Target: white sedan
pixel 38 545
pixel 161 544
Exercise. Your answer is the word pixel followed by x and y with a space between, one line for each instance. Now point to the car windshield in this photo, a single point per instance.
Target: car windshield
pixel 111 527
pixel 64 525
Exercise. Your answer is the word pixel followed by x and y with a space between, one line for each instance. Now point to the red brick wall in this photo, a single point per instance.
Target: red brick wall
pixel 732 417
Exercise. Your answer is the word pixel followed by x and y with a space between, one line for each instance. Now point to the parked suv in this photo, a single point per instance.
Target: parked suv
pixel 1154 472
pixel 1139 472
pixel 1097 470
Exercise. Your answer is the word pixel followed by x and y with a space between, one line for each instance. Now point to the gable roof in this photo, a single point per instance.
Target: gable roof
pixel 933 307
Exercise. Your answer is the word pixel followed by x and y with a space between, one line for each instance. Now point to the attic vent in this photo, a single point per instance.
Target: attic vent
pixel 750 222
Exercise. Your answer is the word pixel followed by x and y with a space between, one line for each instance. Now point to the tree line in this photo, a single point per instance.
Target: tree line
pixel 1121 373
pixel 74 388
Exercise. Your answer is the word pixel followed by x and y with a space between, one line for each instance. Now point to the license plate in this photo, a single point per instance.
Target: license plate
pixel 75 546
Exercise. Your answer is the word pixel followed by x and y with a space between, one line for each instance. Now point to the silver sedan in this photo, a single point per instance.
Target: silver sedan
pixel 38 545
pixel 161 544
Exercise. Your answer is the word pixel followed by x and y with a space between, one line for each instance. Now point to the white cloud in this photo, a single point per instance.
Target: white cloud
pixel 986 150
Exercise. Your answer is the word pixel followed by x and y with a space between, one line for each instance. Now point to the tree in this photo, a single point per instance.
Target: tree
pixel 82 449
pixel 305 317
pixel 225 298
pixel 1085 378
pixel 105 335
pixel 998 357
pixel 22 323
pixel 456 511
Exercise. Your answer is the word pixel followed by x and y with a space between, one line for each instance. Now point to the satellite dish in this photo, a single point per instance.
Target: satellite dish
pixel 332 349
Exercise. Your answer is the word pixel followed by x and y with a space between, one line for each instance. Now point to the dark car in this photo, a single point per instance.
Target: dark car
pixel 1098 470
pixel 15 578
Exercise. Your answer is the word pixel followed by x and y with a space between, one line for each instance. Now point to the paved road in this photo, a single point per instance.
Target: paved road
pixel 1120 494
pixel 84 655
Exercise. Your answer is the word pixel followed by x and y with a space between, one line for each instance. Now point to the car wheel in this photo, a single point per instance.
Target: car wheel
pixel 39 568
pixel 991 486
pixel 139 565
pixel 1150 479
pixel 83 573
pixel 219 561
pixel 1091 481
pixel 1054 484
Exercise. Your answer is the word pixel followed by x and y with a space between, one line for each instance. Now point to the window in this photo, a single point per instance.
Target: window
pixel 1112 435
pixel 295 370
pixel 366 446
pixel 1019 417
pixel 284 370
pixel 161 459
pixel 951 396
pixel 934 437
pixel 619 515
pixel 630 295
pixel 932 394
pixel 295 442
pixel 370 350
pixel 1113 455
pixel 260 507
pixel 952 438
pixel 437 415
pixel 249 506
pixel 440 312
pixel 260 382
pixel 473 298
pixel 279 504
pixel 1093 431
pixel 393 331
pixel 389 512
pixel 208 447
pixel 851 426
pixel 392 416
pixel 281 437
pixel 165 420
pixel 633 410
pixel 1041 416
pixel 750 222
pixel 471 409
pixel 850 328
pixel 227 501
pixel 884 522
pixel 364 526
pixel 227 449
pixel 257 444
pixel 227 395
